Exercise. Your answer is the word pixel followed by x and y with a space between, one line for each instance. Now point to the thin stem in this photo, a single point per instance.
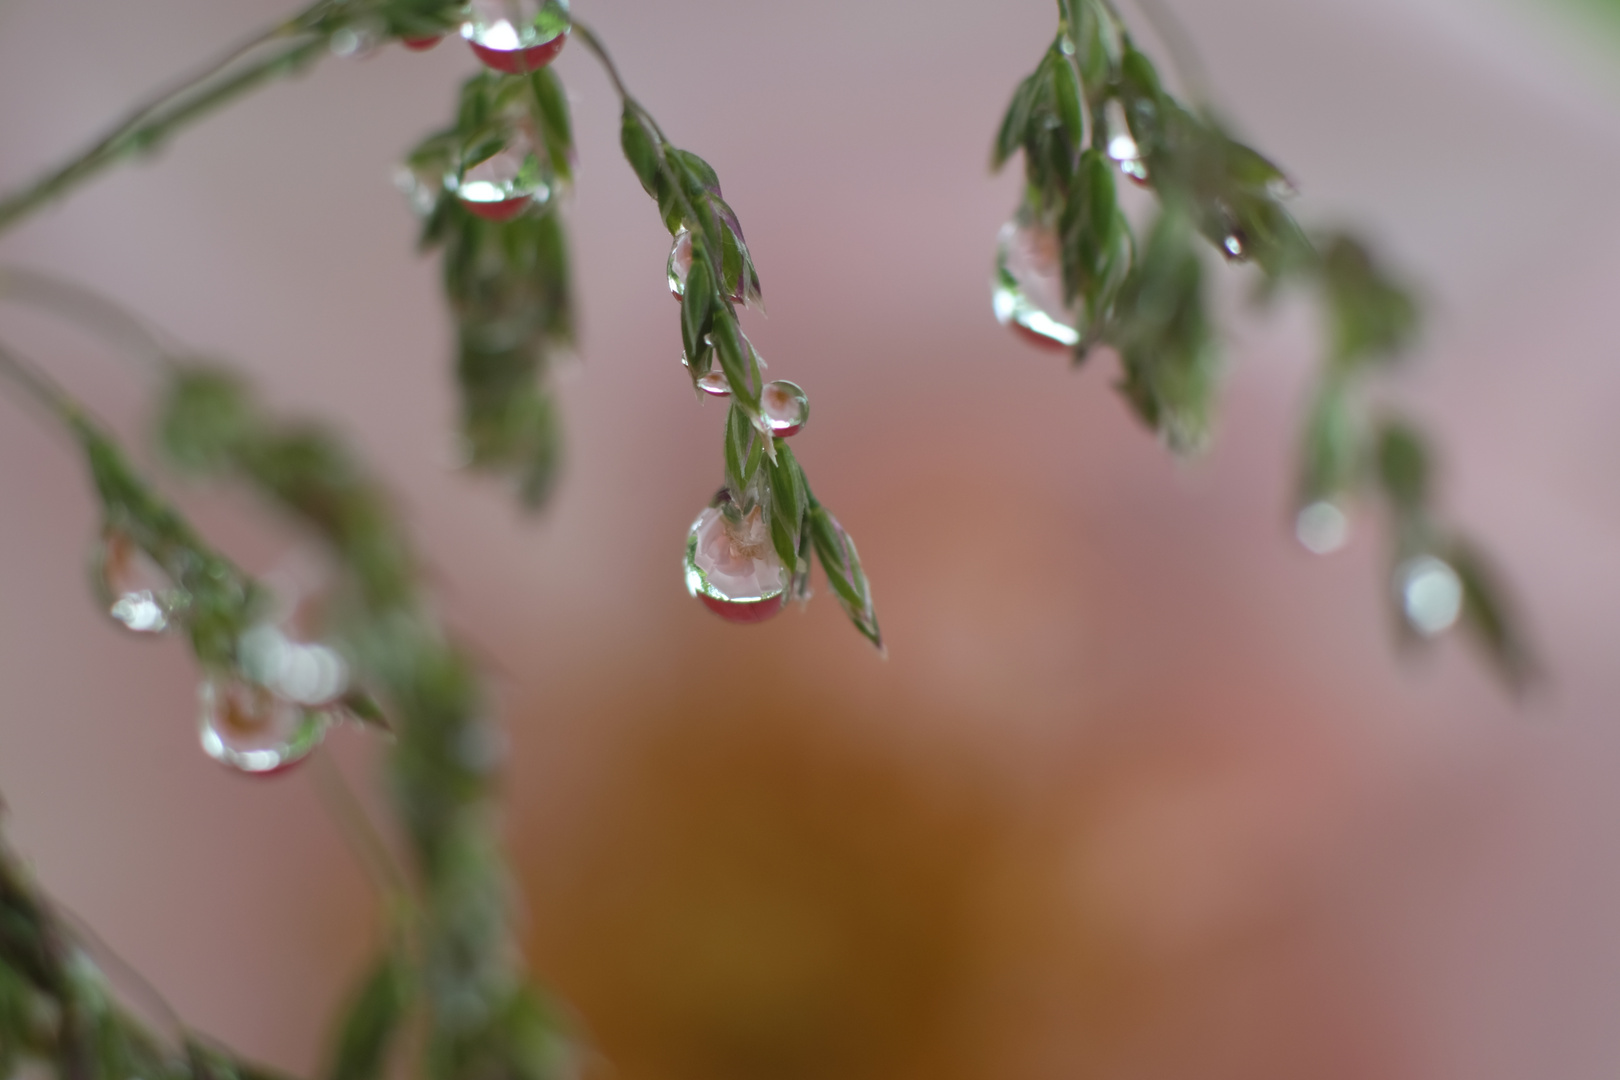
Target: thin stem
pixel 355 824
pixel 1178 44
pixel 42 390
pixel 150 123
pixel 89 310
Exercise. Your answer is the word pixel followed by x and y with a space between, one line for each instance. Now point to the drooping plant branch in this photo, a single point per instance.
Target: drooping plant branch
pixel 1071 272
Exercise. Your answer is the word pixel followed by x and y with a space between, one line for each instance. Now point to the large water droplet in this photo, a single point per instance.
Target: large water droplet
pixel 517 36
pixel 732 566
pixel 1027 293
pixel 137 593
pixel 786 407
pixel 505 184
pixel 1431 594
pixel 1322 528
pixel 253 729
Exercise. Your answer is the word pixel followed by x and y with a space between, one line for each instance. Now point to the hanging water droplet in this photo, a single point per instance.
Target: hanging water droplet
pixel 1322 528
pixel 1027 292
pixel 304 673
pixel 517 36
pixel 732 566
pixel 1122 146
pixel 137 593
pixel 680 263
pixel 253 729
pixel 421 44
pixel 502 186
pixel 786 407
pixel 1431 594
pixel 714 384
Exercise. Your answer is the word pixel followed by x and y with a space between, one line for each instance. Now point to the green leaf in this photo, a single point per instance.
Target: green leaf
pixel 790 502
pixel 1015 124
pixel 556 129
pixel 739 441
pixel 1068 95
pixel 372 1021
pixel 736 360
pixel 1487 614
pixel 839 559
pixel 697 315
pixel 1403 467
pixel 640 149
pixel 1332 446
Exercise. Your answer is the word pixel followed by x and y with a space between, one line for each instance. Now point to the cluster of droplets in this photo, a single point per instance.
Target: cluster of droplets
pixel 268 711
pixel 1428 590
pixel 1027 292
pixel 731 564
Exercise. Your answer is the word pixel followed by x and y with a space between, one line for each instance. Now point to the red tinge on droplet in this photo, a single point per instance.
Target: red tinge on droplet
pixel 505 210
pixel 520 61
pixel 421 44
pixel 751 611
pixel 1033 338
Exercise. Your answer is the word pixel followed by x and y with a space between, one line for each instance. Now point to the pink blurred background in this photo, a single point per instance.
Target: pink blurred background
pixel 1143 790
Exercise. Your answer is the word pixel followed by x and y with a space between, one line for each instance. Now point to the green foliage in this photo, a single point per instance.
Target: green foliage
pixel 1150 302
pixel 508 282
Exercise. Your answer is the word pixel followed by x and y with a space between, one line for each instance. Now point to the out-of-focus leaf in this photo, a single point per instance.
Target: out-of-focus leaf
pixel 1403 467
pixel 1487 614
pixel 839 559
pixel 371 1022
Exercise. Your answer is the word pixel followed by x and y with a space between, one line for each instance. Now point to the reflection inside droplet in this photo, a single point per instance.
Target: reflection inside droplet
pixel 786 407
pixel 1233 245
pixel 1322 528
pixel 254 730
pixel 732 565
pixel 1431 594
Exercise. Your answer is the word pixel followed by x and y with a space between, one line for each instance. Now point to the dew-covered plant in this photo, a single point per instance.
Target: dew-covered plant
pixel 446 997
pixel 1073 273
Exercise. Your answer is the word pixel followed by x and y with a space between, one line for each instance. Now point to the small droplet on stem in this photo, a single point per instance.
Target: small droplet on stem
pixel 786 407
pixel 137 593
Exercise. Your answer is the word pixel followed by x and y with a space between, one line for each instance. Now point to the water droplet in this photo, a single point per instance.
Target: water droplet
pixel 422 187
pixel 1431 594
pixel 1122 145
pixel 253 729
pixel 421 44
pixel 714 384
pixel 304 673
pixel 137 593
pixel 680 263
pixel 1233 245
pixel 1027 292
pixel 785 406
pixel 1322 528
pixel 517 36
pixel 355 39
pixel 732 566
pixel 504 184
